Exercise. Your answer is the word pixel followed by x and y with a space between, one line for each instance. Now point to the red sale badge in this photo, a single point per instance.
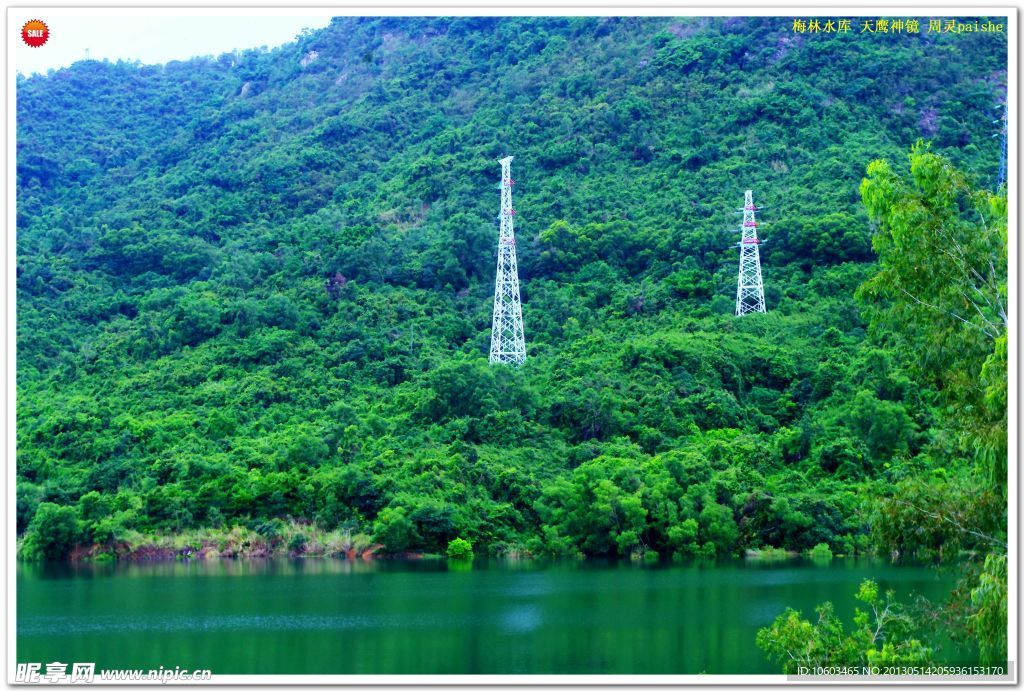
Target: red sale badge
pixel 35 33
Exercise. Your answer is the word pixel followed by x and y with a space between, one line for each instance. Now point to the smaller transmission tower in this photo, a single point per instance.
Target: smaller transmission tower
pixel 507 342
pixel 749 289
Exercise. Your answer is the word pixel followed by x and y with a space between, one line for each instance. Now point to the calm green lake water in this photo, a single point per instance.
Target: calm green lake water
pixel 323 616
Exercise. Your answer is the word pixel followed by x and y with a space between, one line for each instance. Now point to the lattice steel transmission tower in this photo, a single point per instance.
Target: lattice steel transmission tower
pixel 749 289
pixel 507 342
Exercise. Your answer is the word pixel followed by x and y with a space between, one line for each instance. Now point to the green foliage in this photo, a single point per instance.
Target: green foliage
pixel 883 634
pixel 683 537
pixel 940 294
pixel 795 642
pixel 254 294
pixel 769 553
pixel 297 544
pixel 28 499
pixel 936 518
pixel 718 525
pixel 939 301
pixel 53 532
pixel 989 621
pixel 394 530
pixel 821 551
pixel 459 549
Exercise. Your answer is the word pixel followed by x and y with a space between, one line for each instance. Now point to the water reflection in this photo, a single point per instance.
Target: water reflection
pixel 521 619
pixel 333 616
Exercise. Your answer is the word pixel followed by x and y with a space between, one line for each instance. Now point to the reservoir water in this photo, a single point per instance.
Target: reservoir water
pixel 326 616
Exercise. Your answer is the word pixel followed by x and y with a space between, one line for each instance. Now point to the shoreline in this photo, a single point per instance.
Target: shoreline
pixel 175 549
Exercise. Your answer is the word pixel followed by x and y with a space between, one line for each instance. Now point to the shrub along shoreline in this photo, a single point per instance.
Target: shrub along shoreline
pixel 296 538
pixel 270 539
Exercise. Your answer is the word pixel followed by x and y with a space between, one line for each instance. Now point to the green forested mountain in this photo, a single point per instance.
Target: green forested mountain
pixel 255 291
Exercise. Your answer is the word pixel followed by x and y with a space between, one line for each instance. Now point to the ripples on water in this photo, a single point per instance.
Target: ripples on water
pixel 327 616
pixel 72 625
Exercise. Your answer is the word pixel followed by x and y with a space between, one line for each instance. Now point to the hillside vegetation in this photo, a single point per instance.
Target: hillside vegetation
pixel 254 292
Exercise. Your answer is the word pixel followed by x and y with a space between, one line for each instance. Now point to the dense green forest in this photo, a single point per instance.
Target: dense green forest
pixel 254 293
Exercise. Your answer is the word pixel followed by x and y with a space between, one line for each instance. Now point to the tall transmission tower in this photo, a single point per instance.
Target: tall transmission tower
pixel 749 289
pixel 507 342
